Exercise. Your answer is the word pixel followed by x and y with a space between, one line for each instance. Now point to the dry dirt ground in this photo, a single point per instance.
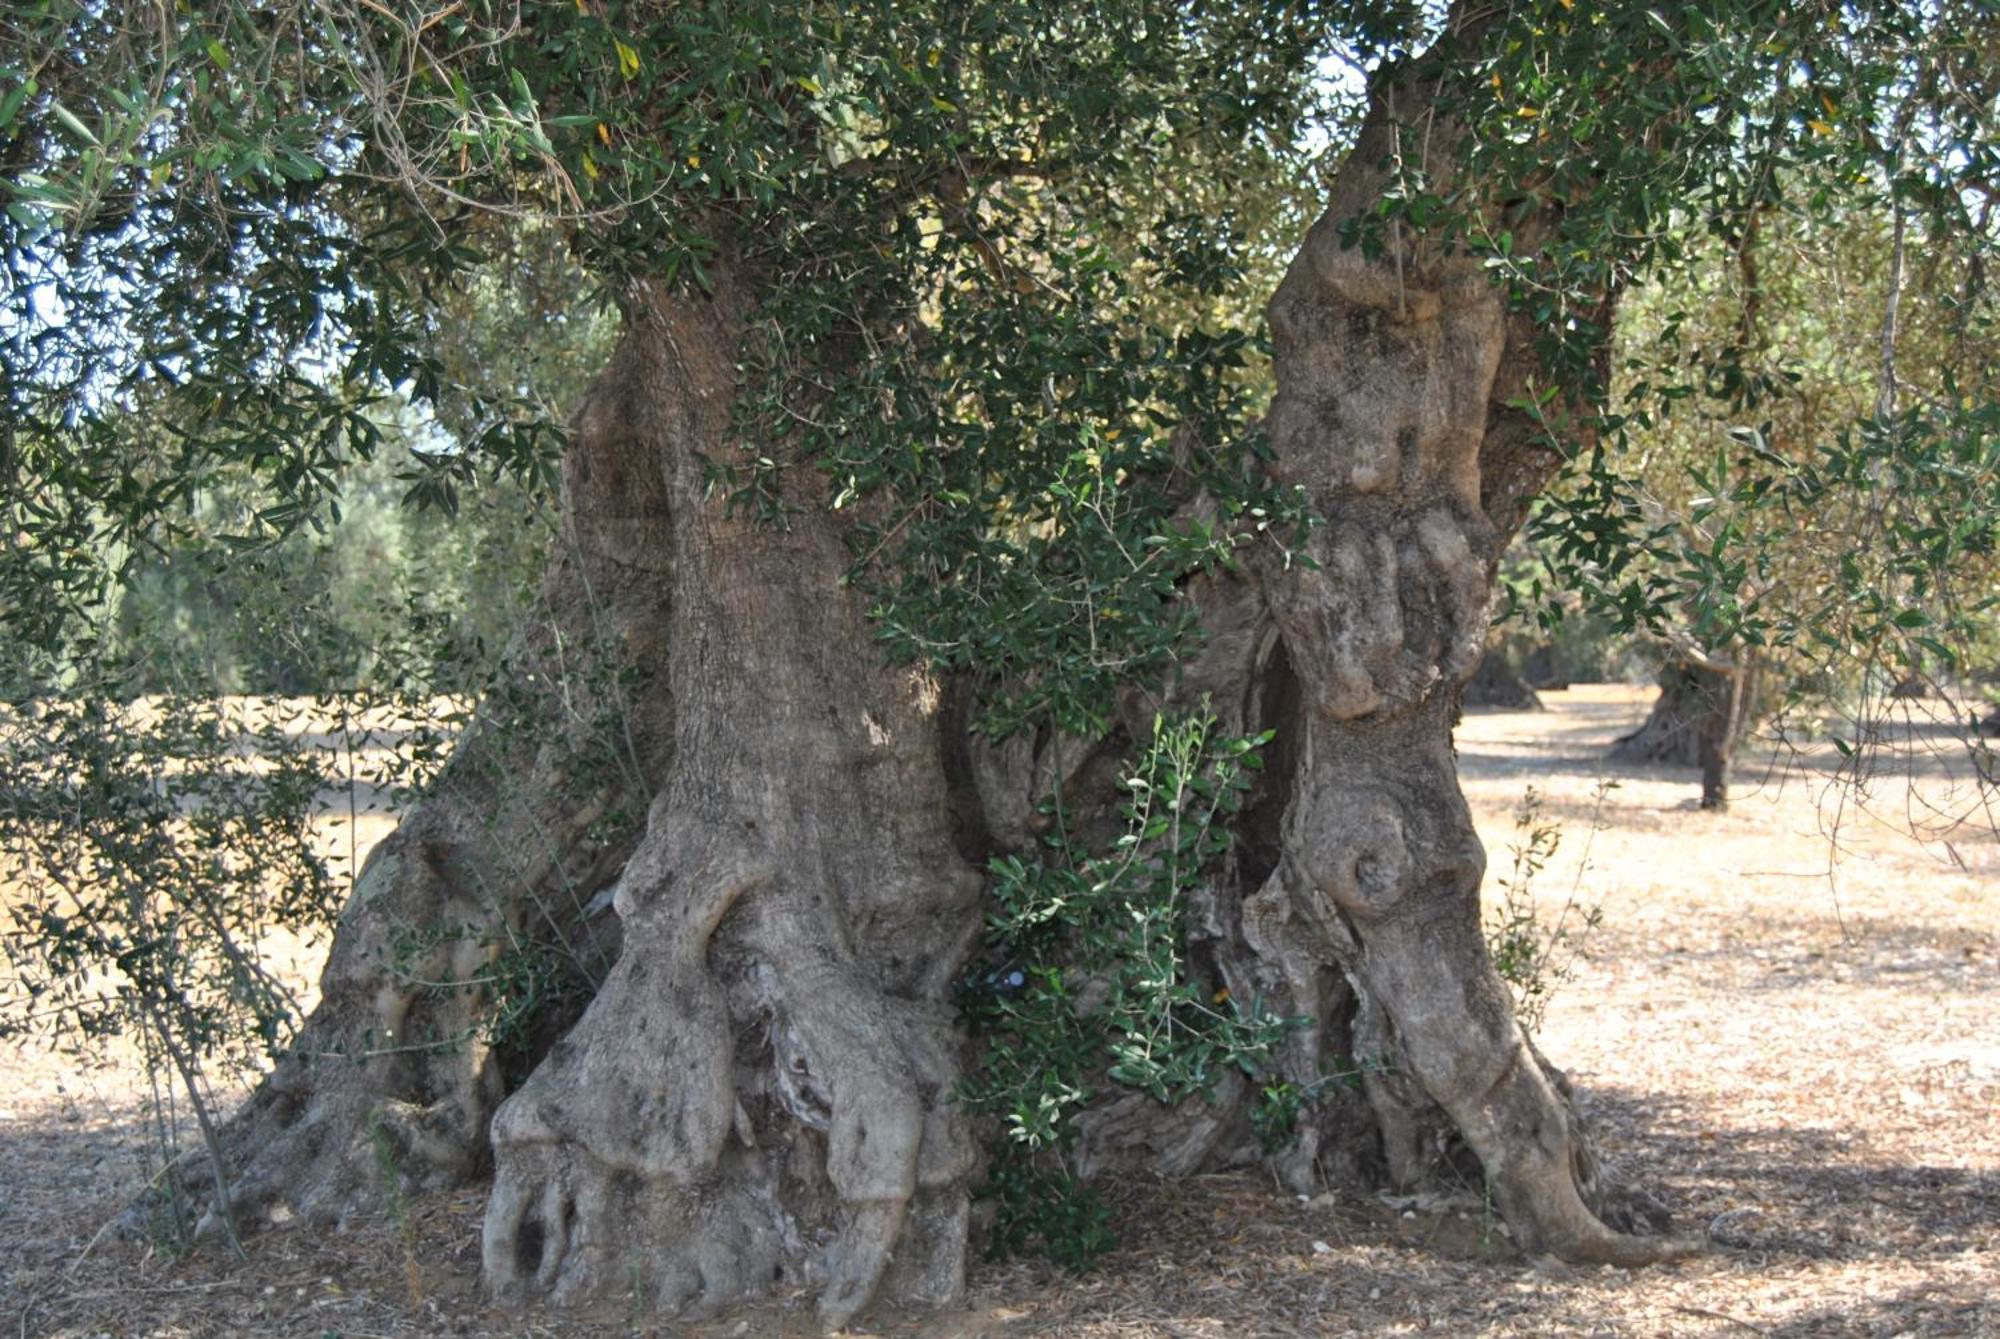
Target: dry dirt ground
pixel 1785 1027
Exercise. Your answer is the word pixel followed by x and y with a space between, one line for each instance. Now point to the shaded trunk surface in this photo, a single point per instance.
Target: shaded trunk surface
pixel 479 928
pixel 752 845
pixel 1496 683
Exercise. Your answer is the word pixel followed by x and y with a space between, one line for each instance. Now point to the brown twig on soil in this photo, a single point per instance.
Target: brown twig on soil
pixel 1721 1316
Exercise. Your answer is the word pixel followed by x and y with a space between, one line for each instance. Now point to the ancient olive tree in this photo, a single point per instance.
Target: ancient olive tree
pixel 924 493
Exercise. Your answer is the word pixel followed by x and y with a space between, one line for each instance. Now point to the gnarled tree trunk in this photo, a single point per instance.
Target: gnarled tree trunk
pixel 1396 381
pixel 759 1092
pixel 477 929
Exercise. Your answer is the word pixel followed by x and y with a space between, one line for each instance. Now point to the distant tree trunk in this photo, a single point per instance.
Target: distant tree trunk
pixel 1496 683
pixel 1721 730
pixel 1541 670
pixel 1703 714
pixel 1912 687
pixel 759 1093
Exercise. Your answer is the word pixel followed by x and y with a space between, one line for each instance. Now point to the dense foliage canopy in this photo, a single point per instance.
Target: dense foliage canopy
pixel 243 225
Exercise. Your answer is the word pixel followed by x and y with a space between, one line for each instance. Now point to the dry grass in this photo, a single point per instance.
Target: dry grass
pixel 1792 1042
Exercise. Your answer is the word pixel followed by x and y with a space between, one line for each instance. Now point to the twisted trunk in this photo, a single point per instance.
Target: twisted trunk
pixel 1397 376
pixel 760 1092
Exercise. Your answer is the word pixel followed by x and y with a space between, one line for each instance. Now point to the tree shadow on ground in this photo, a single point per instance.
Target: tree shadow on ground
pixel 1920 1309
pixel 1230 1256
pixel 1810 1193
pixel 1581 748
pixel 1810 1209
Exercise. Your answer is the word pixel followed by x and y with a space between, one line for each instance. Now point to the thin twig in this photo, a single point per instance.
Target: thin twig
pixel 192 1079
pixel 1723 1317
pixel 1885 390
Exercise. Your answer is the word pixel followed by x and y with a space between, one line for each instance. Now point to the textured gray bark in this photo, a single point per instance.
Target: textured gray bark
pixel 1394 379
pixel 759 1094
pixel 761 1091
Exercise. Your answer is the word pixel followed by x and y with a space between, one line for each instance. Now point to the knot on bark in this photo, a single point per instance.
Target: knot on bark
pixel 1391 606
pixel 1360 858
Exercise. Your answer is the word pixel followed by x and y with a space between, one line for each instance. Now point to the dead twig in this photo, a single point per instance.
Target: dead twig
pixel 1723 1317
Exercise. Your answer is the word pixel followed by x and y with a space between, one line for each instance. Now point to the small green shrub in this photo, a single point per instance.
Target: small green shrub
pixel 150 850
pixel 1532 957
pixel 1086 984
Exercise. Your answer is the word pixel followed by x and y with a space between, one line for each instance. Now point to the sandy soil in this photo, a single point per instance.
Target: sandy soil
pixel 1785 1027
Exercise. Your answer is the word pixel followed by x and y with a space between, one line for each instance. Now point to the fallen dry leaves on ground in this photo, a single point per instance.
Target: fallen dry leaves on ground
pixel 1785 1027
